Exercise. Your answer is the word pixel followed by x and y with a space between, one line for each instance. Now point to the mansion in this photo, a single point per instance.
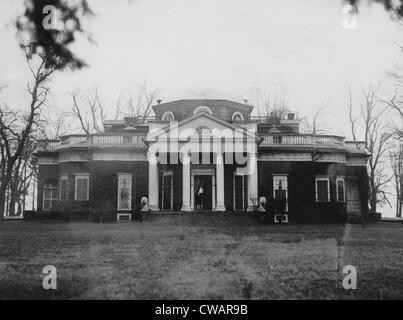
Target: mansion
pixel 203 155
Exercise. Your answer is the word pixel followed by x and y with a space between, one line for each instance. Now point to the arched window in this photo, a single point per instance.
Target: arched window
pixel 50 194
pixel 168 116
pixel 203 109
pixel 237 116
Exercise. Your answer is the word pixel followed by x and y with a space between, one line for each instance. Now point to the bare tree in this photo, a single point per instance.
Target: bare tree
pixel 53 125
pixel 396 158
pixel 314 124
pixel 139 105
pixel 90 111
pixel 350 115
pixel 17 131
pixel 271 105
pixel 396 104
pixel 377 137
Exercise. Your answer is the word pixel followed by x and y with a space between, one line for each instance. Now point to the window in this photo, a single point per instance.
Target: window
pixel 237 116
pixel 64 187
pixel 203 109
pixel 50 194
pixel 280 192
pixel 124 191
pixel 341 194
pixel 322 190
pixel 168 116
pixel 81 192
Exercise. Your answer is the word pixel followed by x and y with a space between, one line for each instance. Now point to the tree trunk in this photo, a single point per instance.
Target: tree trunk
pixel 3 190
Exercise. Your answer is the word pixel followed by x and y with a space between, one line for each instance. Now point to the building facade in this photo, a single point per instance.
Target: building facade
pixel 204 155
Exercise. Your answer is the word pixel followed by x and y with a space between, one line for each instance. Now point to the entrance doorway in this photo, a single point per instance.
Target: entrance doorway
pixel 239 192
pixel 203 186
pixel 167 191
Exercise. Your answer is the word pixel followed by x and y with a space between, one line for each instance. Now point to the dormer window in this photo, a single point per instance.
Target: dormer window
pixel 168 116
pixel 203 109
pixel 237 117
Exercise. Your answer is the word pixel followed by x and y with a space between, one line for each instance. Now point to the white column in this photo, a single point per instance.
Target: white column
pixel 252 180
pixel 186 183
pixel 153 183
pixel 220 182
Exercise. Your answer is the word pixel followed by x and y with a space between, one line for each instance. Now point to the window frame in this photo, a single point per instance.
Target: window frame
pixel 283 178
pixel 84 177
pixel 327 179
pixel 237 113
pixel 53 189
pixel 64 177
pixel 344 189
pixel 122 175
pixel 204 109
pixel 168 113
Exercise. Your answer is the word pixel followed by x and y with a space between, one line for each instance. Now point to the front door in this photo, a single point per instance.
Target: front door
pixel 239 193
pixel 167 191
pixel 203 192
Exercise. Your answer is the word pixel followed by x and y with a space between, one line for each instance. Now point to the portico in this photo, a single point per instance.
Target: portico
pixel 206 149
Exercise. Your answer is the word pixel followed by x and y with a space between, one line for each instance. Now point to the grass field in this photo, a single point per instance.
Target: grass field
pixel 200 257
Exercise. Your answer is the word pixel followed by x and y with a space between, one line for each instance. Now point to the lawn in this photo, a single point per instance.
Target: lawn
pixel 208 256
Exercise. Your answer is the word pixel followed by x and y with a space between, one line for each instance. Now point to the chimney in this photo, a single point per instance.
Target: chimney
pixel 245 100
pixel 159 101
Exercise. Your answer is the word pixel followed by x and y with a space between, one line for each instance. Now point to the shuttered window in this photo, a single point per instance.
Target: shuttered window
pixel 64 187
pixel 341 194
pixel 81 192
pixel 50 195
pixel 322 190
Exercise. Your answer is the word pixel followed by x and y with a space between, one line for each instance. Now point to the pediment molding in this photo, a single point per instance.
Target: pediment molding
pixel 188 127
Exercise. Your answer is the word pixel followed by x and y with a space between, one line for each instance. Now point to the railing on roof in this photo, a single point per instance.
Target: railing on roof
pixel 96 140
pixel 303 139
pixel 355 146
pixel 136 140
pixel 48 145
pixel 266 119
pixel 132 120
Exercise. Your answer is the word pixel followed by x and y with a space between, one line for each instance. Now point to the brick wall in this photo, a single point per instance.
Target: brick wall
pixel 302 205
pixel 102 184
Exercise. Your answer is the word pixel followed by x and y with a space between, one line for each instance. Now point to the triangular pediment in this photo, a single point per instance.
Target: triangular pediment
pixel 202 124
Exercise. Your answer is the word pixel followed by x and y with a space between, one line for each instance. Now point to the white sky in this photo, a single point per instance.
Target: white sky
pixel 220 49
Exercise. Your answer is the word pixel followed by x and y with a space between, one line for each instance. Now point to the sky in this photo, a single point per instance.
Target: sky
pixel 221 49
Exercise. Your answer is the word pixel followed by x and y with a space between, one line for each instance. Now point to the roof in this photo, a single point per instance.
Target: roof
pixel 204 102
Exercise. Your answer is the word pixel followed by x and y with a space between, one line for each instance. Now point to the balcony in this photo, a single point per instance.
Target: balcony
pixel 355 146
pixel 136 141
pixel 312 141
pixel 97 140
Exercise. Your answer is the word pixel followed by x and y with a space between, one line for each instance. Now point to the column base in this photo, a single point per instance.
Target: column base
pixel 153 207
pixel 186 208
pixel 220 208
